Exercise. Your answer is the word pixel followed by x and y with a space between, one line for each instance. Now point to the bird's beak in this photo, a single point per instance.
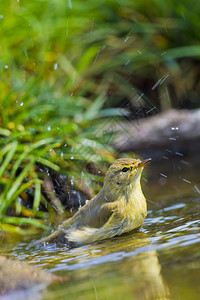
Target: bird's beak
pixel 144 162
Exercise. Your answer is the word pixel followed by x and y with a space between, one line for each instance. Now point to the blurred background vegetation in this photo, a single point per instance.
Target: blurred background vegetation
pixel 68 70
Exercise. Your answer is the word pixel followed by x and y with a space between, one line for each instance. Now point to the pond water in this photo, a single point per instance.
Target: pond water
pixel 160 261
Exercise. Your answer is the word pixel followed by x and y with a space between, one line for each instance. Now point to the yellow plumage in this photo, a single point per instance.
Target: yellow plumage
pixel 119 207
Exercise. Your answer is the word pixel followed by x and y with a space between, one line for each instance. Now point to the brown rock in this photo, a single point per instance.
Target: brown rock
pixel 19 276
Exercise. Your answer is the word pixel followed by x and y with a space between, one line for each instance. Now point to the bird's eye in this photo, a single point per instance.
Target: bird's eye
pixel 125 169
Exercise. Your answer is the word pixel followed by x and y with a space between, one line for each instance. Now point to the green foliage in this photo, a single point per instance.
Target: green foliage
pixel 95 47
pixel 43 119
pixel 59 134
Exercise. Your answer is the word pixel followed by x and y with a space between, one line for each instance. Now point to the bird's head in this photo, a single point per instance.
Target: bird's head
pixel 124 172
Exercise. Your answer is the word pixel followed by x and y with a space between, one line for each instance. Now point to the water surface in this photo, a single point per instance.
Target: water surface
pixel 160 261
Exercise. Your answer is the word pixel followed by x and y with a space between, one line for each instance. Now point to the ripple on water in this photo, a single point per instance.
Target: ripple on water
pixel 163 228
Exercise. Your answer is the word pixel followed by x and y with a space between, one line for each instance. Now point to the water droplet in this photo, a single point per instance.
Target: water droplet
pixel 145 179
pixel 49 128
pixel 168 150
pixel 156 84
pixel 196 188
pixel 179 154
pixel 55 66
pixel 97 56
pixel 185 180
pixel 165 157
pixel 174 128
pixel 126 39
pixel 127 62
pixel 150 110
pixel 140 97
pixel 72 181
pixel 163 175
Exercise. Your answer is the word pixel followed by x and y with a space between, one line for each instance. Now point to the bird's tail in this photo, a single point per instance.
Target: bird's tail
pixel 46 239
pixel 87 235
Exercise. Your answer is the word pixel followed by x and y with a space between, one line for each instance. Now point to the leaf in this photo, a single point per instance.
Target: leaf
pixel 6 199
pixel 26 152
pixel 86 58
pixel 11 148
pixel 5 132
pixel 24 221
pixel 47 163
pixel 93 111
pixel 37 195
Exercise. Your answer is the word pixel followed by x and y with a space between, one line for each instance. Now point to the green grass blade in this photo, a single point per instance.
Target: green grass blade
pixel 24 222
pixel 37 195
pixel 25 153
pixel 47 163
pixel 9 196
pixel 5 132
pixel 8 157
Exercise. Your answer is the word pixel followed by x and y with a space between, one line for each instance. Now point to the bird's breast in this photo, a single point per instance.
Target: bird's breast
pixel 135 210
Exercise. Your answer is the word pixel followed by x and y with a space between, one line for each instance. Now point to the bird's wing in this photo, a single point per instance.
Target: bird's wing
pixel 104 213
pixel 87 235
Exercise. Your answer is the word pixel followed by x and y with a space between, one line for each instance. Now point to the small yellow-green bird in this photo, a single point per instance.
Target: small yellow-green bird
pixel 119 207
